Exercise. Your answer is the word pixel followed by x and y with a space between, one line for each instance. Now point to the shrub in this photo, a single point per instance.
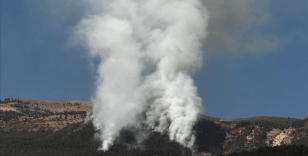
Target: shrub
pixel 298 123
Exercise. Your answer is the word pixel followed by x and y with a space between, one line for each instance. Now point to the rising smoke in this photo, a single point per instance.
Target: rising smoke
pixel 148 50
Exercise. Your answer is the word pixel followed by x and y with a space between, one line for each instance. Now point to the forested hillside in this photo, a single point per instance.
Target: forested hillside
pixel 66 142
pixel 284 150
pixel 38 127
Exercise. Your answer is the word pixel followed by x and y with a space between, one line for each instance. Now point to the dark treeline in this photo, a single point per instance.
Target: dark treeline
pixel 299 123
pixel 210 136
pixel 284 150
pixel 265 124
pixel 10 115
pixel 68 142
pixel 278 125
pixel 301 141
pixel 71 113
pixel 7 100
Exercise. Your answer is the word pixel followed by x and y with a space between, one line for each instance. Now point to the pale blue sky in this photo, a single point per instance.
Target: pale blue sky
pixel 263 71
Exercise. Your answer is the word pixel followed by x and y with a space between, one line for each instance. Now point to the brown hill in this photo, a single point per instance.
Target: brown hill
pixel 57 106
pixel 36 114
pixel 241 134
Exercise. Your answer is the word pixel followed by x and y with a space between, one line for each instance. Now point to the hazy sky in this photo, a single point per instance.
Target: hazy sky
pixel 255 57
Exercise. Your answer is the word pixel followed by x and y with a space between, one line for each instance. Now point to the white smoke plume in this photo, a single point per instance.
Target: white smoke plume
pixel 149 50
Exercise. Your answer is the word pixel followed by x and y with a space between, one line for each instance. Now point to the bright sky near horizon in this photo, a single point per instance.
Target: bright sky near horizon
pixel 255 57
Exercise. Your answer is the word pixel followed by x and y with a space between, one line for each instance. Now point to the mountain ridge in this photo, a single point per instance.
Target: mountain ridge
pixel 236 135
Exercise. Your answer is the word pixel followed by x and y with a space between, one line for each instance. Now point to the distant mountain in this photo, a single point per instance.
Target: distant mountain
pixel 48 123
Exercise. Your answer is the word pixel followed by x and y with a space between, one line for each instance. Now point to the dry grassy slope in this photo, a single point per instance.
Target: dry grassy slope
pixel 58 106
pixel 61 106
pixel 8 107
pixel 53 106
pixel 52 122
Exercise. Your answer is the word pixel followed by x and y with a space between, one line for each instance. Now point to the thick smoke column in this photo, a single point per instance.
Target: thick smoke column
pixel 148 50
